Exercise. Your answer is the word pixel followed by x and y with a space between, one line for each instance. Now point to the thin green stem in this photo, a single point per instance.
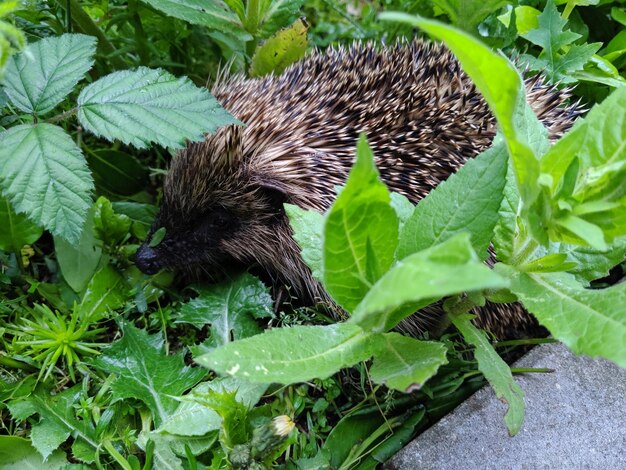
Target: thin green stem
pixel 63 116
pixel 117 456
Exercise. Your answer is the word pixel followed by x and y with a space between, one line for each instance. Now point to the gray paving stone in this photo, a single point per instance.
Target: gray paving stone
pixel 575 419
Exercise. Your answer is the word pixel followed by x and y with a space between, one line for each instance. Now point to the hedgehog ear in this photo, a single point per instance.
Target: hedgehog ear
pixel 274 191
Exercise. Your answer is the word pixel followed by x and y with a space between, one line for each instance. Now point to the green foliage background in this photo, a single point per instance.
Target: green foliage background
pixel 98 362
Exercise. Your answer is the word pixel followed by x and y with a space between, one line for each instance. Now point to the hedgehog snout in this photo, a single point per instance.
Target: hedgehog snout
pixel 147 260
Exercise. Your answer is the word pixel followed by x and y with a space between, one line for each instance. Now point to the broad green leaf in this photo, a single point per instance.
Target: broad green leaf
pixel 289 355
pixel 79 261
pixel 17 453
pixel 404 363
pixel 591 322
pixel 278 14
pixel 503 89
pixel 279 51
pixel 308 231
pixel 146 105
pixel 41 76
pixel 117 172
pixel 106 291
pixel 144 371
pixel 592 264
pixel 56 419
pixel 214 14
pixel 403 207
pixel 449 268
pixel 495 370
pixel 525 18
pixel 45 176
pixel 110 227
pixel 468 201
pixel 230 308
pixel 361 233
pixel 17 230
pixel 468 14
pixel 141 215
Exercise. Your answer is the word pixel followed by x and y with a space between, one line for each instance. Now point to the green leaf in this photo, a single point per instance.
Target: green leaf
pixel 361 233
pixel 214 14
pixel 495 370
pixel 110 227
pixel 404 363
pixel 42 75
pixel 503 90
pixel 279 51
pixel 230 308
pixel 44 175
pixel 550 34
pixel 592 264
pixel 56 419
pixel 17 230
pixel 157 237
pixel 591 322
pixel 289 355
pixel 594 192
pixel 17 453
pixel 106 291
pixel 468 14
pixel 308 231
pixel 144 371
pixel 467 201
pixel 117 172
pixel 141 215
pixel 79 261
pixel 412 283
pixel 150 105
pixel 278 14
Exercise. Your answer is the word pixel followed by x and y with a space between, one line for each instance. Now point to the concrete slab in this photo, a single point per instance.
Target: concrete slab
pixel 575 419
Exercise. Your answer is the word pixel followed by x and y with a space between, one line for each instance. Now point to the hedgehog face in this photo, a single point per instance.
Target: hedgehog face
pixel 196 239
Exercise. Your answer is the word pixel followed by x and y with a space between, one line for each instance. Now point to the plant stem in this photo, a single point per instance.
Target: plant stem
pixel 63 116
pixel 117 456
pixel 85 24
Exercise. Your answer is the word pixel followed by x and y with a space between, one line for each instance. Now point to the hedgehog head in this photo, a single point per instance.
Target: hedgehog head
pixel 220 209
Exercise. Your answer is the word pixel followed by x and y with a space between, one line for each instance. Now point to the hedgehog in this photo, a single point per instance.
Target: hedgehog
pixel 223 199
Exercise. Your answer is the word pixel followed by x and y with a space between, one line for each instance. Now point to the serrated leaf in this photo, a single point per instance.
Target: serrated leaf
pixel 468 201
pixel 214 14
pixel 308 231
pixel 79 261
pixel 146 105
pixel 41 76
pixel 144 371
pixel 44 175
pixel 230 308
pixel 17 453
pixel 279 51
pixel 495 370
pixel 591 322
pixel 289 355
pixel 422 278
pixel 56 419
pixel 404 363
pixel 550 34
pixel 361 233
pixel 17 230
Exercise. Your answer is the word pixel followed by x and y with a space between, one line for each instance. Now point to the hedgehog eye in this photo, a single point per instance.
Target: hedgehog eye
pixel 217 220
